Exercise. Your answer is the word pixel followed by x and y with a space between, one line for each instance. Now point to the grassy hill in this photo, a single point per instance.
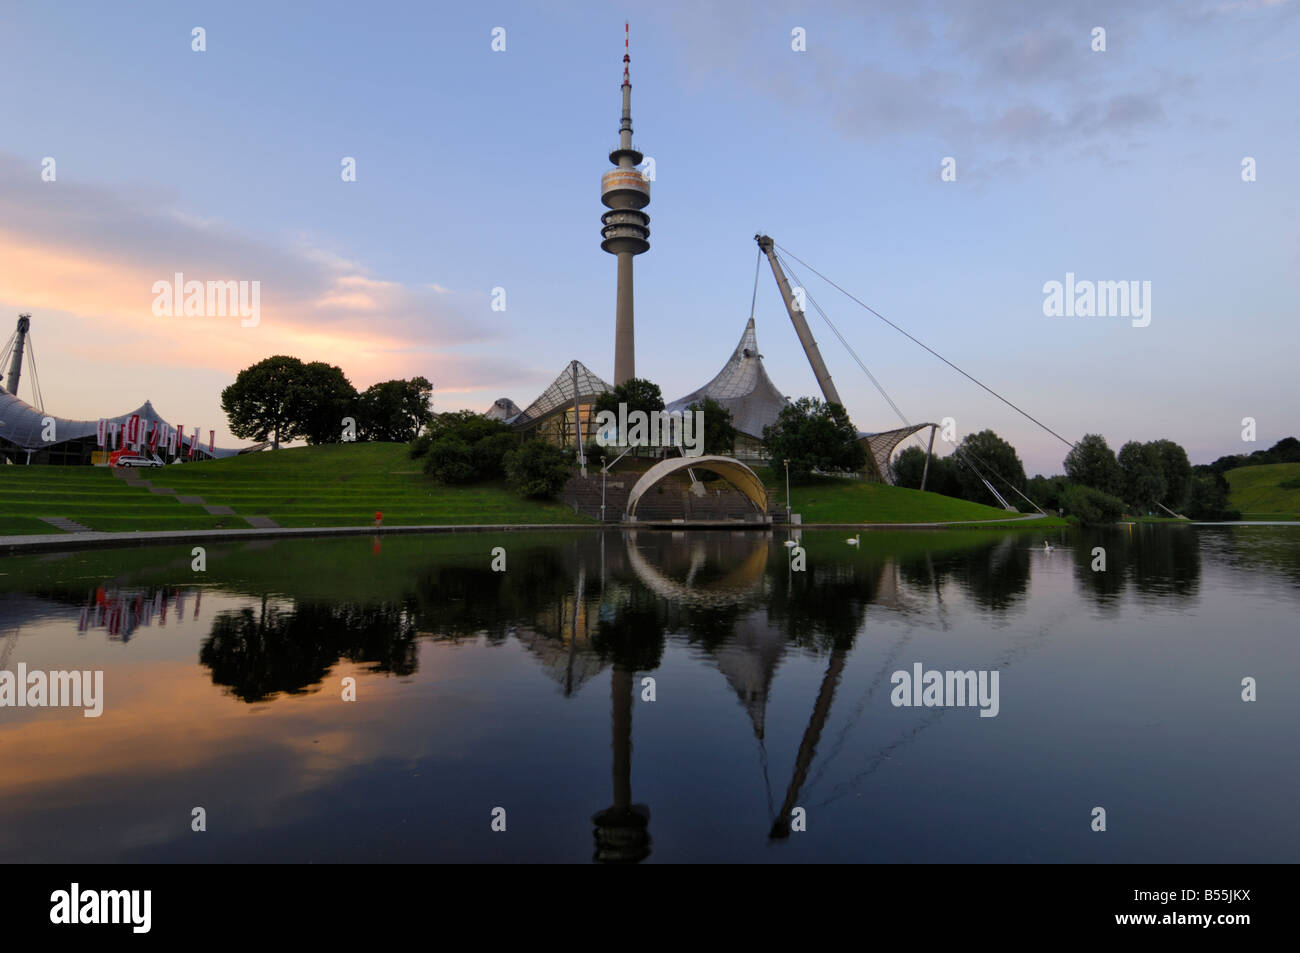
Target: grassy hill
pixel 335 485
pixel 93 497
pixel 832 500
pixel 344 484
pixel 1255 491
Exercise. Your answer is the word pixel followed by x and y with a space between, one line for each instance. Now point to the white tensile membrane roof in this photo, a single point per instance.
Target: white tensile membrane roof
pixel 742 387
pixel 22 425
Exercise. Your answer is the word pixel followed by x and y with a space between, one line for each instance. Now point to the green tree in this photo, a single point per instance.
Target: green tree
pixel 394 411
pixel 320 399
pixel 995 458
pixel 813 435
pixel 909 465
pixel 265 400
pixel 639 394
pixel 1047 492
pixel 538 469
pixel 909 468
pixel 468 425
pixel 1177 471
pixel 1092 463
pixel 719 432
pixel 1143 474
pixel 1207 498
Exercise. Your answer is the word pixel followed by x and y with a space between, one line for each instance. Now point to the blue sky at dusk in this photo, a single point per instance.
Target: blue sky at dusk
pixel 479 169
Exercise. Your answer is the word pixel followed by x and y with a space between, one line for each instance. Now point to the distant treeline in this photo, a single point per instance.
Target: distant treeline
pixel 1098 485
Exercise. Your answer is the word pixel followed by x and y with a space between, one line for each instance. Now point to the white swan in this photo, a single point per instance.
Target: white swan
pixel 855 540
pixel 1047 547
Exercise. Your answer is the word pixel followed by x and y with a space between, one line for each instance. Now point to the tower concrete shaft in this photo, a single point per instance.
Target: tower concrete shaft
pixel 626 229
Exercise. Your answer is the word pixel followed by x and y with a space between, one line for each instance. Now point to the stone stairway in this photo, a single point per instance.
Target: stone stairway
pixel 67 525
pixel 132 477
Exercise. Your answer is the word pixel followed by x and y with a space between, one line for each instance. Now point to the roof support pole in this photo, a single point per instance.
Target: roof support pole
pixel 800 324
pixel 929 450
pixel 577 417
pixel 16 364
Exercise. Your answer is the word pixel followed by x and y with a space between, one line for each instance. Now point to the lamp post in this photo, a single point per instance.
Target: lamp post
pixel 603 471
pixel 787 491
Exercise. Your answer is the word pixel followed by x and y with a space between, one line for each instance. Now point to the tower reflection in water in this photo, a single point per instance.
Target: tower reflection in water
pixel 612 600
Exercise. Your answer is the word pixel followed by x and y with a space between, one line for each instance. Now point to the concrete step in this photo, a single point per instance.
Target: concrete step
pixel 67 525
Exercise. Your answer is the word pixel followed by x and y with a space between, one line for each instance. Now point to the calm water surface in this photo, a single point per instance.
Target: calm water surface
pixel 527 690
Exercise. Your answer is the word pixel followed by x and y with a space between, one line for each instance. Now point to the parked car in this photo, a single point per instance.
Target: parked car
pixel 125 459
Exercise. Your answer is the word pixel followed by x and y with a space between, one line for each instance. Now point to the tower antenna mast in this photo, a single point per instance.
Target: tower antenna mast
pixel 626 228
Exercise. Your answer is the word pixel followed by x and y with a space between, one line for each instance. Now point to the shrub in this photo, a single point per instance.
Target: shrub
pixel 420 446
pixel 450 460
pixel 538 470
pixel 1091 507
pixel 489 455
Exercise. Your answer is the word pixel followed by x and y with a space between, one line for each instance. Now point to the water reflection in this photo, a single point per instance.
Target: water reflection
pixel 282 617
pixel 258 654
pixel 1152 560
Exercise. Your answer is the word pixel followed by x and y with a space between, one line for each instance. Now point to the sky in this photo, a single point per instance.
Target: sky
pixel 478 169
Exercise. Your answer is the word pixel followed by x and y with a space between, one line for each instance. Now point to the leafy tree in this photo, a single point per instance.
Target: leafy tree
pixel 1207 499
pixel 909 468
pixel 1177 471
pixel 321 398
pixel 988 452
pixel 1286 450
pixel 1091 507
pixel 1092 463
pixel 538 469
pixel 719 432
pixel 395 410
pixel 1047 492
pixel 265 400
pixel 468 425
pixel 909 465
pixel 450 460
pixel 813 435
pixel 1142 468
pixel 638 393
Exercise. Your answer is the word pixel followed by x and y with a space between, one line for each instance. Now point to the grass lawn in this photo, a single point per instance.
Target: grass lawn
pixel 337 485
pixel 832 500
pixel 345 484
pixel 1256 493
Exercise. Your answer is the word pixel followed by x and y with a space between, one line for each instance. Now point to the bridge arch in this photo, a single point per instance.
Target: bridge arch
pixel 733 471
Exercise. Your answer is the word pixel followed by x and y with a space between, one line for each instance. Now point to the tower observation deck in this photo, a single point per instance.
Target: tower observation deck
pixel 626 228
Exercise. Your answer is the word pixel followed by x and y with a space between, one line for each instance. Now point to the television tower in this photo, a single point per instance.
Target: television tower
pixel 626 232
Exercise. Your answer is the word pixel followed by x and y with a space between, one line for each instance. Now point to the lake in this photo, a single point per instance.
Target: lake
pixel 653 696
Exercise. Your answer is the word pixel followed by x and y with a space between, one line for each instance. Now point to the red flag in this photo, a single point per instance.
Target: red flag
pixel 212 442
pixel 102 431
